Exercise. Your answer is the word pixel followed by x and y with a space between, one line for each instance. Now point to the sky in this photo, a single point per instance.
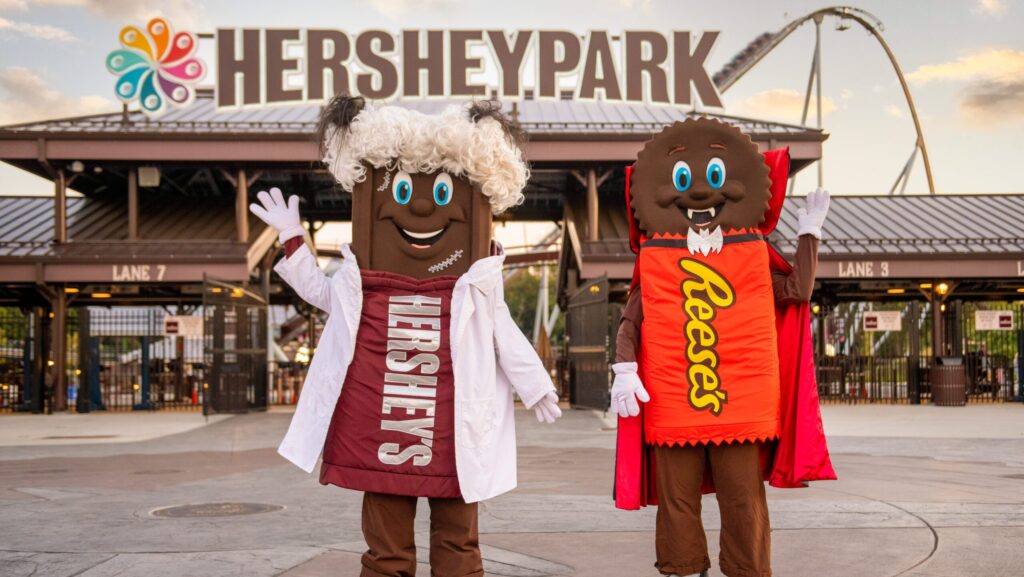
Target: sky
pixel 964 60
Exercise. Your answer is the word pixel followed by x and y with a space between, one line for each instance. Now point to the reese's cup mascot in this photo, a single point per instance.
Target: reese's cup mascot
pixel 409 393
pixel 714 375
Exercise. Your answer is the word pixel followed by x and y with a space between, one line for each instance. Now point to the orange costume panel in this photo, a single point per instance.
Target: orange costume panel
pixel 709 342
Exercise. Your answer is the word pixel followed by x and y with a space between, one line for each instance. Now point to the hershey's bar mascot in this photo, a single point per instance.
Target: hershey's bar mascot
pixel 714 375
pixel 409 393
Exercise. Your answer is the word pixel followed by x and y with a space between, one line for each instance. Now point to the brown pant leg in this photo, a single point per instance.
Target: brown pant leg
pixel 746 538
pixel 679 539
pixel 454 541
pixel 388 530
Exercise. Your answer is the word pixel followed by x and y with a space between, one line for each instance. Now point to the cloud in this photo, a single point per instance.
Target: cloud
pixel 989 103
pixel 989 7
pixel 188 14
pixel 25 97
pixel 41 31
pixel 989 65
pixel 782 104
pixel 992 80
pixel 18 5
pixel 894 111
pixel 405 8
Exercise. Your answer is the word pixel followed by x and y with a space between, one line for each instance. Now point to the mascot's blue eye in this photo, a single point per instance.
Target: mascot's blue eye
pixel 402 188
pixel 681 176
pixel 716 172
pixel 442 189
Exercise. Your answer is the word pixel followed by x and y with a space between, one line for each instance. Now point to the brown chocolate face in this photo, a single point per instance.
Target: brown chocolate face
pixel 422 223
pixel 699 174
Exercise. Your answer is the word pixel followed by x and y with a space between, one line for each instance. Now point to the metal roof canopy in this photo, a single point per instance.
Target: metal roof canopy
pixel 880 240
pixel 178 241
pixel 560 132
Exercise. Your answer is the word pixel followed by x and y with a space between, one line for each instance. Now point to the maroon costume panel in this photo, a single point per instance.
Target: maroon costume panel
pixel 393 427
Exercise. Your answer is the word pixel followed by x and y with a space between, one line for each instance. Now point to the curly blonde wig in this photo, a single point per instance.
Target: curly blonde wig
pixel 471 141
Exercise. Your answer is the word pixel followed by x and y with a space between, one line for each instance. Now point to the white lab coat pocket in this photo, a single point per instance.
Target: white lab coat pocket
pixel 477 423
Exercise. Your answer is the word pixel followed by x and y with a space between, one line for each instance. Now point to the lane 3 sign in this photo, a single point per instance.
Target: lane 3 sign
pixel 265 66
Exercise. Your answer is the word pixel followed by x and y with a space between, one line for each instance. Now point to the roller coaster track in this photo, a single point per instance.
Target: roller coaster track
pixel 765 43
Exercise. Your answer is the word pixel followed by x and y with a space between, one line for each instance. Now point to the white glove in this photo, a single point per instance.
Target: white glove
pixel 547 408
pixel 284 218
pixel 626 390
pixel 812 216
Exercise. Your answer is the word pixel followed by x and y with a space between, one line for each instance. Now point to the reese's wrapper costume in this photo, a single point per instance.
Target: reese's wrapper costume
pixel 718 325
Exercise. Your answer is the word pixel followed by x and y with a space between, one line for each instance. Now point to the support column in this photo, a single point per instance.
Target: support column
pixel 938 332
pixel 592 205
pixel 145 391
pixel 914 354
pixel 60 207
pixel 133 204
pixel 58 350
pixel 242 206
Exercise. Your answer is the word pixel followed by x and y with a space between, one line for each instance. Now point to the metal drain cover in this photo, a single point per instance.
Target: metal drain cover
pixel 215 510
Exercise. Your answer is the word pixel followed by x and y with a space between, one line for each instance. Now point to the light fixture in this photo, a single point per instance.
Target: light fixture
pixel 215 290
pixel 942 288
pixel 149 177
pixel 896 291
pixel 1021 289
pixel 77 167
pixel 70 290
pixel 816 309
pixel 100 295
pixel 135 386
pixel 925 285
pixel 49 363
pixel 237 293
pixel 943 307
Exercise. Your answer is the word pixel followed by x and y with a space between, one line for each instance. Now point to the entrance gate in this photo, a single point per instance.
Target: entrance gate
pixel 125 361
pixel 20 361
pixel 588 339
pixel 857 366
pixel 234 348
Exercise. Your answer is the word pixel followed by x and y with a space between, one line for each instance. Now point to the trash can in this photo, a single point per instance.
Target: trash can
pixel 949 382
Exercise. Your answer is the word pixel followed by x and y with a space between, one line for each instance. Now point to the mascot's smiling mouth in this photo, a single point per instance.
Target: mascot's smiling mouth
pixel 703 217
pixel 421 239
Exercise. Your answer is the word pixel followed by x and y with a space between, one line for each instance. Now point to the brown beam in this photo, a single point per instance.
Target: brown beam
pixel 242 206
pixel 133 204
pixel 60 207
pixel 592 205
pixel 592 148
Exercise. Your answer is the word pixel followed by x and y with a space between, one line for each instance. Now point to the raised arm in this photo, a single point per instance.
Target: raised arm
pixel 797 286
pixel 299 268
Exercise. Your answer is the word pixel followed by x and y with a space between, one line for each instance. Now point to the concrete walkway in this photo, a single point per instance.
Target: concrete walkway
pixel 910 502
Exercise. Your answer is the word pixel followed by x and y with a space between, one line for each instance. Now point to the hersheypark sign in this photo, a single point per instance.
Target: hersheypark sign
pixel 159 68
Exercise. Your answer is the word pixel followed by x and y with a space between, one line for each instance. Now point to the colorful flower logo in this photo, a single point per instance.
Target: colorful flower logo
pixel 156 67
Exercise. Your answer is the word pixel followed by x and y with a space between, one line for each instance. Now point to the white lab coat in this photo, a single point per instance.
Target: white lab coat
pixel 490 356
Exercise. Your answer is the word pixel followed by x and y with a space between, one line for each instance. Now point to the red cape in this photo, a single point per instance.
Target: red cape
pixel 800 454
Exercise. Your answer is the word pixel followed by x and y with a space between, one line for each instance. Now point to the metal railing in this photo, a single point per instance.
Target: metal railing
pixel 905 379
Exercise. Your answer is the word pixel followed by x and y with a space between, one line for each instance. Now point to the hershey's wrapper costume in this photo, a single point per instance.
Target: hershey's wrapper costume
pixel 714 379
pixel 409 393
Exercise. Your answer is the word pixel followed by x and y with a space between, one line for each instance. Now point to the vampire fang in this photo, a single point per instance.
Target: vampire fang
pixel 703 217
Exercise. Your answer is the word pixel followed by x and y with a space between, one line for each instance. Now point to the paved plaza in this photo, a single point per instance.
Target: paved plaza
pixel 923 491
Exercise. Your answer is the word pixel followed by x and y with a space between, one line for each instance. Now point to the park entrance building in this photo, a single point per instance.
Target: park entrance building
pixel 151 289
